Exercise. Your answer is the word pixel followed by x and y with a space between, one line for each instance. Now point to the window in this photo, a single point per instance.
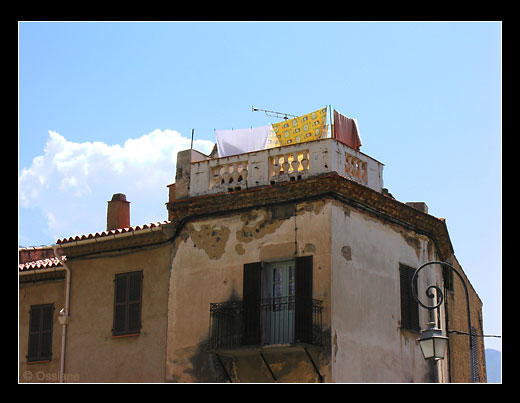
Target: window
pixel 282 211
pixel 127 303
pixel 278 301
pixel 278 305
pixel 447 275
pixel 409 307
pixel 40 332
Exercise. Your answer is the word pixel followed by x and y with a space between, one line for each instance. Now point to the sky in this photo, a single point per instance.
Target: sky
pixel 104 107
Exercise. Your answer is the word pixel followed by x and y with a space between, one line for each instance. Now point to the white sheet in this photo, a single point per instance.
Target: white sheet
pixel 239 141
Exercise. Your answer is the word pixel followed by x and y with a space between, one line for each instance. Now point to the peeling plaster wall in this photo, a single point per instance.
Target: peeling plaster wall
pixel 368 344
pixel 356 260
pixel 207 266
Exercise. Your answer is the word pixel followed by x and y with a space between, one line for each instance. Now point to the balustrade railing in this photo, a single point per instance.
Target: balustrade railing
pixel 355 168
pixel 282 164
pixel 292 165
pixel 229 176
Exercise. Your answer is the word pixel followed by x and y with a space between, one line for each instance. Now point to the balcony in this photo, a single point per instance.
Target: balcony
pixel 198 174
pixel 278 323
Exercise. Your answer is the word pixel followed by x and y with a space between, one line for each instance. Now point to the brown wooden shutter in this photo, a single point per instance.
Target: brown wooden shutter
pixel 34 334
pixel 303 299
pixel 127 303
pixel 40 332
pixel 251 303
pixel 46 332
pixel 409 307
pixel 119 304
pixel 134 302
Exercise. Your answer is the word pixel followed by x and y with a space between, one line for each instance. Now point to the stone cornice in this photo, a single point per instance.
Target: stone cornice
pixel 326 185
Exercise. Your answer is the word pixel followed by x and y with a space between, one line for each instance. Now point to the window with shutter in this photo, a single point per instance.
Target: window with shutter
pixel 40 332
pixel 127 303
pixel 409 307
pixel 277 302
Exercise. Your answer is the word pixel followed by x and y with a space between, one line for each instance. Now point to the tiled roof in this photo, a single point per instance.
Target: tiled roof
pixel 111 232
pixel 50 261
pixel 41 264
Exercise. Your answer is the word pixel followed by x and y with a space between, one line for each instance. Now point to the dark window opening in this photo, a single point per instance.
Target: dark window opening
pixel 127 303
pixel 282 211
pixel 409 307
pixel 40 332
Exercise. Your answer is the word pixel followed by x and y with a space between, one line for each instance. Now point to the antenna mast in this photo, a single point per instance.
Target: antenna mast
pixel 273 113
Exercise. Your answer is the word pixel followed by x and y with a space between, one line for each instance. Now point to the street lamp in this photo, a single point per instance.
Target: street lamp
pixel 433 343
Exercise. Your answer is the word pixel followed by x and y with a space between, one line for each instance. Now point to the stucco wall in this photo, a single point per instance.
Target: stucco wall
pixel 356 259
pixel 368 343
pixel 36 294
pixel 208 261
pixel 92 352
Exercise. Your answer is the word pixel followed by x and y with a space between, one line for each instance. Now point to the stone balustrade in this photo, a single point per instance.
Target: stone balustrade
pixel 229 176
pixel 289 166
pixel 274 165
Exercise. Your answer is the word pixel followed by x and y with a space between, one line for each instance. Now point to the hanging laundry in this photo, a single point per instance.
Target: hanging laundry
pixel 346 130
pixel 240 141
pixel 272 140
pixel 309 127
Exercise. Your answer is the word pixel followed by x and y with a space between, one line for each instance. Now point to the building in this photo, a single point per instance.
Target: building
pixel 290 264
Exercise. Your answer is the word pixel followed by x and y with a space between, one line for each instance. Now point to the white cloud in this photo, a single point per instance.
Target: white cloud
pixel 71 182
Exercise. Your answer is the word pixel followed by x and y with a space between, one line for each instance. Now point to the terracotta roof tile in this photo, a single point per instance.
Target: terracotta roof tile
pixel 41 264
pixel 111 232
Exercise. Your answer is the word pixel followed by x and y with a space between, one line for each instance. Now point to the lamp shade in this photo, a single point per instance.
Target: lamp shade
pixel 433 343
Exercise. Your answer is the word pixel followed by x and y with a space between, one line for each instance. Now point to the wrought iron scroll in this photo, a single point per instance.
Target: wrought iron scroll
pixel 440 295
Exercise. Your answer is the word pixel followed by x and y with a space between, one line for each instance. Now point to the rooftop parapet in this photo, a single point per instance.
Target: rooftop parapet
pixel 274 165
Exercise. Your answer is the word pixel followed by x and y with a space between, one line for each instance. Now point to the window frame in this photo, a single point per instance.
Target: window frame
pixel 43 343
pixel 121 326
pixel 252 294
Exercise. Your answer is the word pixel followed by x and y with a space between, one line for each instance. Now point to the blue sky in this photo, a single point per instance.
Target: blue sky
pixel 105 106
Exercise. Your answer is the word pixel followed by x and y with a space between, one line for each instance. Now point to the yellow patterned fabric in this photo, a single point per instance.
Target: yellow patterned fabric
pixel 309 127
pixel 272 140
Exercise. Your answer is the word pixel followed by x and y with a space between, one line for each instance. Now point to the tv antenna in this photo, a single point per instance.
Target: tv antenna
pixel 273 113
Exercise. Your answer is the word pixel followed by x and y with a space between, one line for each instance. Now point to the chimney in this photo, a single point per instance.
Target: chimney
pixel 421 206
pixel 118 212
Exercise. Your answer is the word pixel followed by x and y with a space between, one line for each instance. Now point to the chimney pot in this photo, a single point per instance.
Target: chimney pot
pixel 118 212
pixel 119 196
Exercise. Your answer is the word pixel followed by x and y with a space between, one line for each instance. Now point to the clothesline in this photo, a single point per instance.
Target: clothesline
pixel 310 127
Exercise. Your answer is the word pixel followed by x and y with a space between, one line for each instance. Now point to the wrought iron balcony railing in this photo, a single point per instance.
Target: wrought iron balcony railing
pixel 281 321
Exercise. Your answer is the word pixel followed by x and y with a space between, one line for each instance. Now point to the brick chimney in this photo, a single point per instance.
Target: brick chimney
pixel 118 212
